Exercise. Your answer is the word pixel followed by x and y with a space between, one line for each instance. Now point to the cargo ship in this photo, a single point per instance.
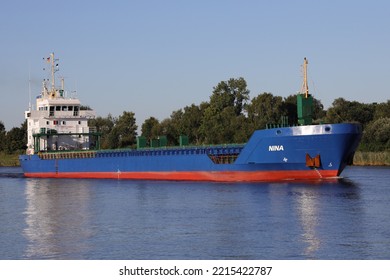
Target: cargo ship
pixel 59 146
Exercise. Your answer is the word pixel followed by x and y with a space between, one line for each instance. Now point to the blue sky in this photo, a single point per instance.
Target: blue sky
pixel 153 57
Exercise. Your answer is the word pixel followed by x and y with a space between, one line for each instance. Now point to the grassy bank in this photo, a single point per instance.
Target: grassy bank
pixel 372 158
pixel 9 159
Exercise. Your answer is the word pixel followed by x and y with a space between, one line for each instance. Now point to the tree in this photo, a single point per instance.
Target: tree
pixel 169 129
pixel 124 132
pixel 376 135
pixel 231 93
pixel 226 104
pixel 382 110
pixel 2 136
pixel 265 109
pixel 211 127
pixel 150 128
pixel 191 121
pixel 350 111
pixel 318 111
pixel 233 129
pixel 16 138
pixel 175 126
pixel 104 126
pixel 290 108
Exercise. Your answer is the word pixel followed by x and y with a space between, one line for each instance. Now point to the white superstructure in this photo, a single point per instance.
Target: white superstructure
pixel 57 122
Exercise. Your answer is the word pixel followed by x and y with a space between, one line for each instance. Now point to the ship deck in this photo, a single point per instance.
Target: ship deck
pixel 218 154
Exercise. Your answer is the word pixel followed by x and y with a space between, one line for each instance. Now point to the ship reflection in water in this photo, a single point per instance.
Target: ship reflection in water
pixel 307 208
pixel 57 218
pixel 322 211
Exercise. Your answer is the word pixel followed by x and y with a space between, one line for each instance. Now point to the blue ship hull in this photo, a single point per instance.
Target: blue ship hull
pixel 288 153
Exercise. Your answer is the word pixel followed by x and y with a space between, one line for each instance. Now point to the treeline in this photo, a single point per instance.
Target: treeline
pixel 13 140
pixel 230 116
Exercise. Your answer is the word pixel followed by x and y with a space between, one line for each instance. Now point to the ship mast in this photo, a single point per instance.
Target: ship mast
pixel 53 70
pixel 53 83
pixel 305 100
pixel 29 87
pixel 305 86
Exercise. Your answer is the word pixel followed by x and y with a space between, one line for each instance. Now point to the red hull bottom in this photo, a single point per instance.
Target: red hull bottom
pixel 227 176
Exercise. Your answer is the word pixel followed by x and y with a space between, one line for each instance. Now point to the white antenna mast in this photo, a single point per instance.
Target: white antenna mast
pixel 29 86
pixel 54 69
pixel 53 82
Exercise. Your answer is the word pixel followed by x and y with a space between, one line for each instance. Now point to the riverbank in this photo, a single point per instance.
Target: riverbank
pixel 9 159
pixel 360 159
pixel 372 158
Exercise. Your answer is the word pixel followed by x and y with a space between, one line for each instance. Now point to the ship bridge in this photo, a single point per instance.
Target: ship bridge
pixel 57 122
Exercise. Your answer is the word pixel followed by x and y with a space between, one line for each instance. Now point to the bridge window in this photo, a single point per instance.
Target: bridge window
pixel 76 111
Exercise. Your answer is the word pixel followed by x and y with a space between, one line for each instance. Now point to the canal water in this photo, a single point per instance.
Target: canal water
pixel 347 218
